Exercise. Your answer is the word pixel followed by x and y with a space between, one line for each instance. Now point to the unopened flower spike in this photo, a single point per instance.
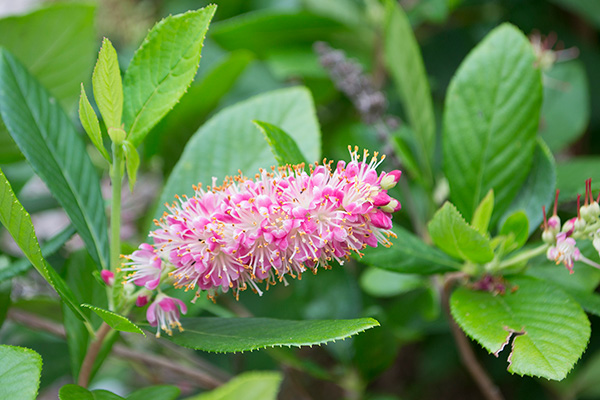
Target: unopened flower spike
pixel 284 222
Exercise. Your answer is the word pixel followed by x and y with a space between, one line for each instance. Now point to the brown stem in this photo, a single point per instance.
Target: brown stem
pixel 478 373
pixel 90 357
pixel 208 379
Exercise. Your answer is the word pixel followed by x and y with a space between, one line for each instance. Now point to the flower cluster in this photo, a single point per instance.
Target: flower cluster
pixel 281 223
pixel 563 245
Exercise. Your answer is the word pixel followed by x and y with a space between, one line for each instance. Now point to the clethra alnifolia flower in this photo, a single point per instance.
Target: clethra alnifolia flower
pixel 283 222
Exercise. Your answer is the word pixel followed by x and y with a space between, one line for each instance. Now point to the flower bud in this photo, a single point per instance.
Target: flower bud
pixel 108 277
pixel 390 179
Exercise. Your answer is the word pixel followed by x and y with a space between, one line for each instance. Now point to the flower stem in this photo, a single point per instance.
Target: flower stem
pixel 115 214
pixel 90 357
pixel 523 256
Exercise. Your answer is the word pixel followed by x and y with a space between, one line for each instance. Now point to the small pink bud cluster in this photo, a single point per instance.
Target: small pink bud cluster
pixel 563 246
pixel 283 222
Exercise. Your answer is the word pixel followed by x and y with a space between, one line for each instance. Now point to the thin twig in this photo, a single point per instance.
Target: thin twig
pixel 478 373
pixel 90 356
pixel 204 379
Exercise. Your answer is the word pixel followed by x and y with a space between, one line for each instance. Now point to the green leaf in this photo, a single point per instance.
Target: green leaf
pixel 132 161
pixel 381 283
pixel 90 124
pixel 5 290
pixel 263 385
pixel 20 370
pixel 169 135
pixel 405 63
pixel 549 330
pixel 57 44
pixel 408 254
pixel 56 152
pixel 590 302
pixel 283 147
pixel 538 189
pixel 162 69
pixel 483 213
pixel 451 233
pixel 49 248
pixel 264 31
pixel 76 392
pixel 116 321
pixel 9 151
pixel 239 145
pixel 571 176
pixel 158 392
pixel 232 335
pixel 108 89
pixel 566 108
pixel 18 223
pixel 518 225
pixel 490 121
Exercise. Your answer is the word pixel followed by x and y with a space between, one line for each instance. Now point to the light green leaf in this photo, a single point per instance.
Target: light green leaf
pixel 90 124
pixel 56 152
pixel 239 145
pixel 108 89
pixel 132 162
pixel 590 302
pixel 232 335
pixel 18 223
pixel 538 189
pixel 566 108
pixel 255 385
pixel 169 136
pixel 490 121
pixel 283 147
pixel 20 370
pixel 158 392
pixel 408 254
pixel 483 213
pixel 50 247
pixel 162 69
pixel 381 283
pixel 405 63
pixel 549 330
pixel 518 225
pixel 57 44
pixel 116 321
pixel 451 233
pixel 572 174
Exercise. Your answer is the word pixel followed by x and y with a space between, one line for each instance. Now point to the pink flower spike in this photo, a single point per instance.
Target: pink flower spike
pixel 164 313
pixel 141 301
pixel 108 277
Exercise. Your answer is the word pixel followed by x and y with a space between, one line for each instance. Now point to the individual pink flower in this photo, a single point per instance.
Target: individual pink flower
pixel 164 313
pixel 145 267
pixel 564 251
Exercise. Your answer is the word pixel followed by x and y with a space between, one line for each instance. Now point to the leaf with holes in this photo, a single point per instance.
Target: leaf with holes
pixel 451 233
pixel 548 329
pixel 232 335
pixel 162 69
pixel 56 152
pixel 20 370
pixel 490 121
